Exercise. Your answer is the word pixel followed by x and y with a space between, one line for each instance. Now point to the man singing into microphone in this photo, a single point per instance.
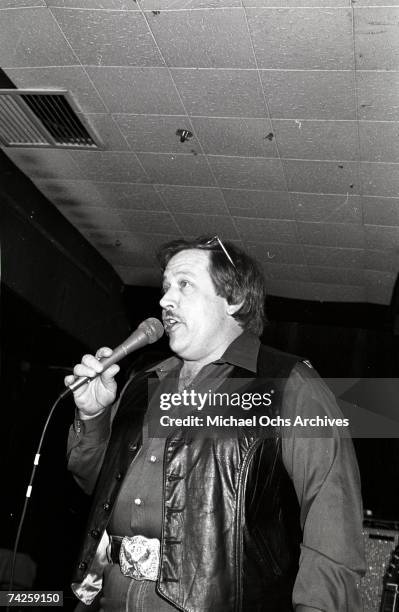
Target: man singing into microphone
pixel 229 523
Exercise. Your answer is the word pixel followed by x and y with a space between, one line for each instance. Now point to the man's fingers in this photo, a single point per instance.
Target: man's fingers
pixel 82 370
pixel 104 351
pixel 92 362
pixel 68 380
pixel 90 366
pixel 110 372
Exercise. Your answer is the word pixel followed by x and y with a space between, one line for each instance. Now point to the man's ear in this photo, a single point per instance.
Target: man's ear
pixel 231 309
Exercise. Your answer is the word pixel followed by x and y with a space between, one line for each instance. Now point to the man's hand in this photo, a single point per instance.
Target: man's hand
pixel 92 398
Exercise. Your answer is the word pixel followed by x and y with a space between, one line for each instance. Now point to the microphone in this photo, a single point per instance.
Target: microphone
pixel 148 331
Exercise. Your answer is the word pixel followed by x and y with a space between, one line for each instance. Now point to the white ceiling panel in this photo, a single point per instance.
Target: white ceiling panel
pixel 290 113
pixel 310 94
pixel 91 34
pixel 320 208
pixel 221 38
pixel 303 39
pixel 377 38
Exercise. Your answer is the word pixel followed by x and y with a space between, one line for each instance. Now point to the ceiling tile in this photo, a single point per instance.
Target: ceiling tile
pixel 380 179
pixel 305 39
pixel 339 293
pixel 199 225
pixel 381 238
pixel 109 38
pixel 187 4
pixel 266 230
pixel 129 241
pixel 177 169
pixel 137 90
pixel 381 211
pixel 377 2
pixel 110 166
pixel 72 78
pixel 331 234
pixel 379 141
pixel 129 196
pixel 91 218
pixel 378 95
pixel 132 251
pixel 203 92
pixel 141 277
pixel 282 288
pixel 327 208
pixel 322 292
pixel 148 222
pixel 316 139
pixel 337 276
pixel 276 253
pixel 156 133
pixel 334 257
pixel 137 221
pixel 285 272
pixel 261 204
pixel 80 192
pixel 105 127
pixel 385 261
pixel 45 163
pixel 73 193
pixel 377 38
pixel 235 136
pixel 31 37
pixel 248 173
pixel 379 294
pixel 295 3
pixel 117 257
pixel 314 94
pixel 21 3
pixel 121 5
pixel 123 196
pixel 379 286
pixel 321 176
pixel 221 38
pixel 202 200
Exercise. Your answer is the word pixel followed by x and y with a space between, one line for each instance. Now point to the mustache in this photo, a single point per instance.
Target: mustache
pixel 169 314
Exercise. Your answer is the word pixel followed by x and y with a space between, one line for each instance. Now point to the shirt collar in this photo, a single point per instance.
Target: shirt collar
pixel 242 352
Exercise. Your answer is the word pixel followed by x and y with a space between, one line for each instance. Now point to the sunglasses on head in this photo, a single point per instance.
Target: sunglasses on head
pixel 215 241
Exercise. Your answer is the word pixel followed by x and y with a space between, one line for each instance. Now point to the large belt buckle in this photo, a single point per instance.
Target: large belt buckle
pixel 139 557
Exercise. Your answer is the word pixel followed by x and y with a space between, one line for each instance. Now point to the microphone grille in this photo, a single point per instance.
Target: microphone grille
pixel 153 329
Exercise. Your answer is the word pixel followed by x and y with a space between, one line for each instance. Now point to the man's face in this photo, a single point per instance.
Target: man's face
pixel 195 318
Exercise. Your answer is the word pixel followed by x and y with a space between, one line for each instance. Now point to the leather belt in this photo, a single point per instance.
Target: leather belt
pixel 116 542
pixel 137 556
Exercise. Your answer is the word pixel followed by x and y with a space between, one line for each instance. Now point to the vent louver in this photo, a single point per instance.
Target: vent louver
pixel 32 118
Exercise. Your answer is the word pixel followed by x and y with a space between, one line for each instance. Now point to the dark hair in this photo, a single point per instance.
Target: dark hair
pixel 240 281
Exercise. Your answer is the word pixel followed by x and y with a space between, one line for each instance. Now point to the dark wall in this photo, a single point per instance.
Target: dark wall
pixel 50 264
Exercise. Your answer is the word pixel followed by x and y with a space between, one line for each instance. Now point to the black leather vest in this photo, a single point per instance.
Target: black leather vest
pixel 230 531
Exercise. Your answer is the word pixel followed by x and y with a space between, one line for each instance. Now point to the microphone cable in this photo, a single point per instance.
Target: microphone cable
pixel 29 490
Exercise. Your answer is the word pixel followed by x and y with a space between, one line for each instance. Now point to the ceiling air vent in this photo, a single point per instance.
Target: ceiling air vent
pixel 32 118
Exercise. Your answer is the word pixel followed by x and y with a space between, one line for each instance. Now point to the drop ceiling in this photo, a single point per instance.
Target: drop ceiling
pixel 294 110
